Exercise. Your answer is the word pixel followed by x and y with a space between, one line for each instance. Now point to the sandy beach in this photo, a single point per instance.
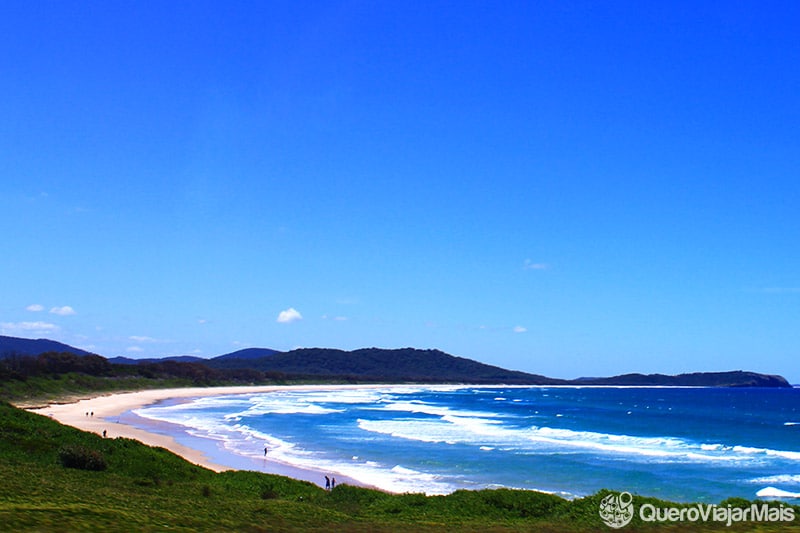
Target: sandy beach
pixel 108 413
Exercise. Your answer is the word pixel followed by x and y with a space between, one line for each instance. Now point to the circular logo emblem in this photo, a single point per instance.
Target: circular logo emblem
pixel 616 510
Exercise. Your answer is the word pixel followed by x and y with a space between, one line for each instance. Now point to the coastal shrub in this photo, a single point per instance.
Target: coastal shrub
pixel 269 494
pixel 356 495
pixel 735 502
pixel 414 499
pixel 520 503
pixel 81 457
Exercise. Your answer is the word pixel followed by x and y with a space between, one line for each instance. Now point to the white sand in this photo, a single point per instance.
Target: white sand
pixel 104 412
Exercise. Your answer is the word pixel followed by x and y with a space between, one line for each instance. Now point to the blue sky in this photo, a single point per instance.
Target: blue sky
pixel 566 188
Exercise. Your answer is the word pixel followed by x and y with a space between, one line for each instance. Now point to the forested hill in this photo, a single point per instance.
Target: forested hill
pixel 405 364
pixel 364 365
pixel 434 366
pixel 737 378
pixel 18 346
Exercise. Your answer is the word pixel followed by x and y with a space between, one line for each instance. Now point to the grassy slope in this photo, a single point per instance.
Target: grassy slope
pixel 149 489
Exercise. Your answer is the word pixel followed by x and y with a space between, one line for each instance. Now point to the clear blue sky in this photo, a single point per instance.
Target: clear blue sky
pixel 566 188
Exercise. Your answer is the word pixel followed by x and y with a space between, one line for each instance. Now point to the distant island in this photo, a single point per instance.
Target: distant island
pixel 370 365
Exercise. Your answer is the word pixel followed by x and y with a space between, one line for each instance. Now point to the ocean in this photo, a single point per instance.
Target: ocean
pixel 680 444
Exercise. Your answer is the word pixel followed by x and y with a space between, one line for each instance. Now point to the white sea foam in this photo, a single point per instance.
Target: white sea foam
pixel 419 407
pixel 785 479
pixel 418 430
pixel 281 408
pixel 486 432
pixel 793 456
pixel 395 478
pixel 772 492
pixel 308 403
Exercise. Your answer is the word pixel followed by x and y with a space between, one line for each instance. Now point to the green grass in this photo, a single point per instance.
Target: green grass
pixel 150 489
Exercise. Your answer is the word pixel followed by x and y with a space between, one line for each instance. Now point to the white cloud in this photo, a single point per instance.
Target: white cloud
pixel 140 338
pixel 289 315
pixel 134 349
pixel 13 328
pixel 530 265
pixel 35 308
pixel 63 311
pixel 520 329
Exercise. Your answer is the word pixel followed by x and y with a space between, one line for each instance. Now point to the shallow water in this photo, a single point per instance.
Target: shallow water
pixel 683 444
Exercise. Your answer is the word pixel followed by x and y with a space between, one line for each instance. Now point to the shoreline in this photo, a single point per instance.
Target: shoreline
pixel 113 414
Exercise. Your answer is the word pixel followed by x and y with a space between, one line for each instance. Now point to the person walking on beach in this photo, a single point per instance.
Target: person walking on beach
pixel 333 483
pixel 327 483
pixel 265 451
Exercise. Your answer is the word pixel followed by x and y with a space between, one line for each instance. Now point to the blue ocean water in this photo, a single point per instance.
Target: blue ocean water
pixel 681 444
